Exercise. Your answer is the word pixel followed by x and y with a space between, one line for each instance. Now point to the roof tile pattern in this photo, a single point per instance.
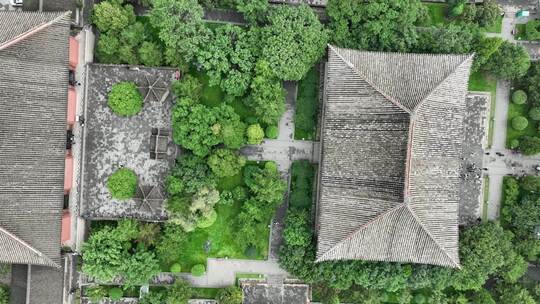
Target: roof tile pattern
pixel 33 99
pixel 391 151
pixel 15 24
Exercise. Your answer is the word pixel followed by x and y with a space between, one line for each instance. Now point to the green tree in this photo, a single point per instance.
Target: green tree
pixel 482 250
pixel 188 212
pixel 272 132
pixel 531 30
pixel 484 47
pixel 179 293
pixel 230 295
pixel 170 244
pixel 4 295
pixel 111 16
pixel 534 113
pixel 519 123
pixel 525 216
pixel 296 230
pixel 133 35
pixel 488 13
pixel 510 61
pixel 233 133
pixel 452 38
pixel 103 255
pixel 513 293
pixel 107 47
pixel 189 86
pixel 139 268
pixel 482 296
pixel 180 27
pixel 456 7
pixel 253 10
pixel 124 99
pixel 529 145
pixel 189 175
pixel 225 162
pixel 255 134
pixel 229 59
pixel 519 97
pixel 530 183
pixel 293 39
pixel 150 54
pixel 267 96
pixel 149 234
pixel 153 297
pixel 378 25
pixel 122 184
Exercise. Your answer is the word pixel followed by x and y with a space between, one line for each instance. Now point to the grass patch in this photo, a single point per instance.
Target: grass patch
pixel 221 234
pixel 437 14
pixel 520 29
pixel 302 175
pixel 519 110
pixel 496 27
pixel 205 293
pixel 481 82
pixel 307 106
pixel 486 199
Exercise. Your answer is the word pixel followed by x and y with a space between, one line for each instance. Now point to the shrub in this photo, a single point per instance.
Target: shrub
pixel 150 54
pixel 519 97
pixel 534 113
pixel 271 166
pixel 230 295
pixel 115 293
pixel 198 270
pixel 188 86
pixel 255 134
pixel 531 30
pixel 519 123
pixel 95 294
pixel 208 221
pixel 514 144
pixel 530 183
pixel 122 184
pixel 125 99
pixel 272 132
pixel 529 145
pixel 176 268
pixel 4 295
pixel 112 16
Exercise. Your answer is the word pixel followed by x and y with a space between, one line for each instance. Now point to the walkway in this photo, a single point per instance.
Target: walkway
pixel 222 272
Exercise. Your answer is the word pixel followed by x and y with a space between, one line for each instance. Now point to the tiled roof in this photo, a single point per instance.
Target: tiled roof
pixel 391 149
pixel 33 99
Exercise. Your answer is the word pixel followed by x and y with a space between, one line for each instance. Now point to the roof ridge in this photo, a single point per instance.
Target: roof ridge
pixel 441 82
pixel 373 220
pixel 408 206
pixel 31 248
pixel 361 75
pixel 34 30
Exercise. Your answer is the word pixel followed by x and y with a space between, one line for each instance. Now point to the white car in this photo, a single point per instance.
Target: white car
pixel 16 2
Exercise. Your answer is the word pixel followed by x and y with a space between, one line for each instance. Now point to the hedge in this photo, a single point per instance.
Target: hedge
pixel 198 270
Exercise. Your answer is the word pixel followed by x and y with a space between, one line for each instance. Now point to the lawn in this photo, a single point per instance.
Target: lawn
pixel 437 14
pixel 519 110
pixel 307 106
pixel 213 96
pixel 520 35
pixel 496 27
pixel 205 293
pixel 302 175
pixel 486 199
pixel 484 83
pixel 221 234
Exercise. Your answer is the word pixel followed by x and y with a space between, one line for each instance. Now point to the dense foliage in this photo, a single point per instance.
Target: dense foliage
pixel 114 253
pixel 180 27
pixel 266 190
pixel 225 162
pixel 255 134
pixel 230 295
pixel 122 184
pixel 293 39
pixel 4 295
pixel 510 61
pixel 198 270
pixel 378 25
pixel 124 99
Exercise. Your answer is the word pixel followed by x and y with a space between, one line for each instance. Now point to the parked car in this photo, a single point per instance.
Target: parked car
pixel 16 2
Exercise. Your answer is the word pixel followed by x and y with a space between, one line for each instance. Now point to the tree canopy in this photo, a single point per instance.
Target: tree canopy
pixel 122 184
pixel 376 25
pixel 124 99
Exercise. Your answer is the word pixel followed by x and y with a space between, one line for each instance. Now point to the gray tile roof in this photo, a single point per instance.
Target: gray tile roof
pixel 391 154
pixel 33 99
